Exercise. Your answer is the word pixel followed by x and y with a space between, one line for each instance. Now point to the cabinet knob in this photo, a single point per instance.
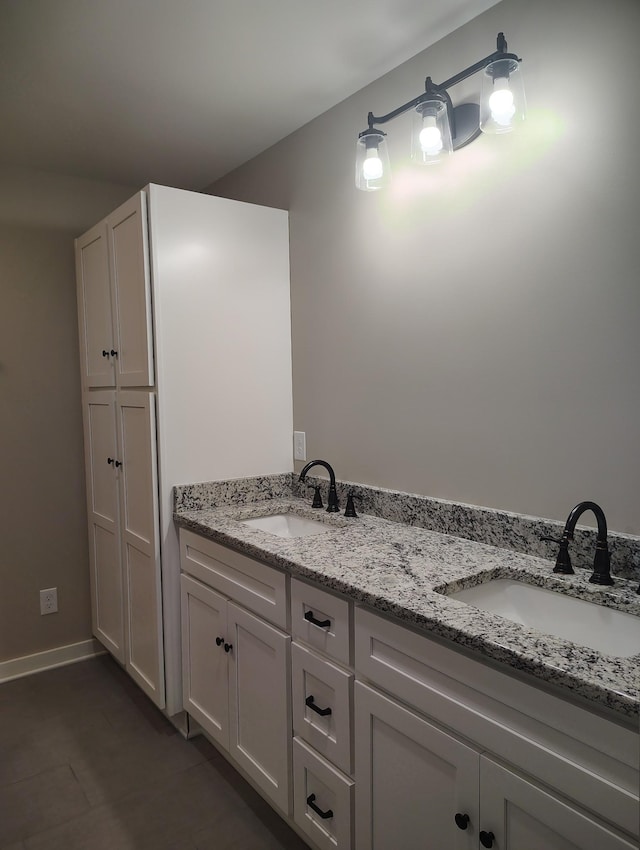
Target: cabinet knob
pixel 321 624
pixel 219 641
pixel 118 463
pixel 105 353
pixel 228 647
pixel 323 712
pixel 324 815
pixel 462 821
pixel 113 353
pixel 486 838
pixel 110 460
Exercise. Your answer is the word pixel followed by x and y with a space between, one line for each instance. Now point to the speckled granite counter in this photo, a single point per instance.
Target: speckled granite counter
pixel 398 569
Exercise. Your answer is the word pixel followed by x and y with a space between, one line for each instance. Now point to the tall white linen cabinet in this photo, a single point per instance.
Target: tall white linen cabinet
pixel 185 348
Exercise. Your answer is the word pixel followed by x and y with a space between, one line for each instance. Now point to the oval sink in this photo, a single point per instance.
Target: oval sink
pixel 604 629
pixel 286 525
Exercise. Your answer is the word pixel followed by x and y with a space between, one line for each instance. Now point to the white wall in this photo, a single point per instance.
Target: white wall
pixel 473 334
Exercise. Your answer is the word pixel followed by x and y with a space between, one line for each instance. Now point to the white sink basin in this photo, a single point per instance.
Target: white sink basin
pixel 609 631
pixel 287 525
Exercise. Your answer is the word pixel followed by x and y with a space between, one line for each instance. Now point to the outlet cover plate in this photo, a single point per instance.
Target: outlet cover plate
pixel 299 445
pixel 49 601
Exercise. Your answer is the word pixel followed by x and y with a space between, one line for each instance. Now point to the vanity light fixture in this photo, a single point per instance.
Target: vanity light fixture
pixel 439 127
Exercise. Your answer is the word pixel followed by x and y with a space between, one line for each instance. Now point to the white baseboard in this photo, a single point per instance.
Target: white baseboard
pixel 58 657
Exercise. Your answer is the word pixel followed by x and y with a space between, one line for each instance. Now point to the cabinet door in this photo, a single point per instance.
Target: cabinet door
pixel 102 514
pixel 129 258
pixel 412 780
pixel 522 816
pixel 204 660
pixel 94 308
pixel 140 541
pixel 259 703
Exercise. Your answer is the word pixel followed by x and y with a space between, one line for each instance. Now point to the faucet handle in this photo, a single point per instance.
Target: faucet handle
pixel 563 561
pixel 317 498
pixel 350 509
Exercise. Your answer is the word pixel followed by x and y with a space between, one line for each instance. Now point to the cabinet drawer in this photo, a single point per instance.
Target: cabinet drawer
pixel 321 620
pixel 322 705
pixel 254 585
pixel 322 799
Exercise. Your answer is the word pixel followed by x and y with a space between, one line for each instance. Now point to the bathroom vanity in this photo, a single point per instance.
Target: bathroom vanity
pixel 372 710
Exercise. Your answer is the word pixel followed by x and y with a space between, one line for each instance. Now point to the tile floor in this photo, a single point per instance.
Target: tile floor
pixel 87 762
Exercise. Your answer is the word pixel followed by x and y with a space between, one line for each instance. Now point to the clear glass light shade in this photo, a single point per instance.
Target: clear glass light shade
pixel 502 102
pixel 373 170
pixel 431 133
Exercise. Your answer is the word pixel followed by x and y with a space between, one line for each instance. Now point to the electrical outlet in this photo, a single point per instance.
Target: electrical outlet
pixel 299 445
pixel 49 600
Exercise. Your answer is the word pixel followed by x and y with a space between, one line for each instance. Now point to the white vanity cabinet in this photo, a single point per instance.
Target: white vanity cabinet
pixel 386 737
pixel 184 318
pixel 236 665
pixel 456 754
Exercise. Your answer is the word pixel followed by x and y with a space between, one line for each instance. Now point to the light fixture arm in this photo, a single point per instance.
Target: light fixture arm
pixel 441 88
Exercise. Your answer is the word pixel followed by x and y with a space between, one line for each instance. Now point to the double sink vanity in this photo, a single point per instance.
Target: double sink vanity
pixel 387 682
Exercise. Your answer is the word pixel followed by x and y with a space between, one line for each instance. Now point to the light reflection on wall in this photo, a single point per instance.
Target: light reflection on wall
pixel 469 176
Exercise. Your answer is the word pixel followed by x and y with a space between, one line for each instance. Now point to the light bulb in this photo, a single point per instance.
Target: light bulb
pixel 501 102
pixel 430 137
pixel 372 166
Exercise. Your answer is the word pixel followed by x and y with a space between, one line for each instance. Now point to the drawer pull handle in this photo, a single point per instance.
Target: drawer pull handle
pixel 323 712
pixel 317 809
pixel 228 647
pixel 219 641
pixel 486 838
pixel 321 624
pixel 462 821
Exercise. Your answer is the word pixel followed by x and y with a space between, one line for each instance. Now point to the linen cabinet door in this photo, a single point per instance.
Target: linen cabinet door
pixel 259 703
pixel 94 308
pixel 140 542
pixel 129 258
pixel 102 514
pixel 416 787
pixel 204 660
pixel 518 815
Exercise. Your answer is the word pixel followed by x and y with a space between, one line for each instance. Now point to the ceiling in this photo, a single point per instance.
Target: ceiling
pixel 182 91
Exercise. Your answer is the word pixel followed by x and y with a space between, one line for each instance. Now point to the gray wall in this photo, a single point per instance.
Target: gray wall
pixel 42 510
pixel 473 334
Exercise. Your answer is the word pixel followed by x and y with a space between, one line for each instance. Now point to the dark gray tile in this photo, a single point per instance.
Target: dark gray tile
pixel 49 742
pixel 32 805
pixel 116 763
pixel 89 763
pixel 160 816
pixel 243 829
pixel 122 826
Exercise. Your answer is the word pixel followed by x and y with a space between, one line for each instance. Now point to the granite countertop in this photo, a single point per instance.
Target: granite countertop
pixel 397 570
